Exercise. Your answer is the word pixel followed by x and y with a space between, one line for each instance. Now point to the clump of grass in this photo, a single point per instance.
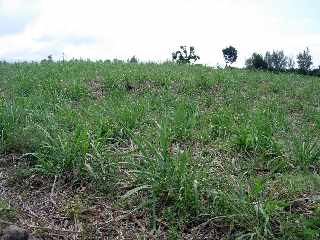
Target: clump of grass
pixel 306 152
pixel 12 125
pixel 80 154
pixel 170 179
pixel 184 121
pixel 6 211
pixel 255 134
pixel 221 123
pixel 129 115
pixel 62 151
pixel 298 226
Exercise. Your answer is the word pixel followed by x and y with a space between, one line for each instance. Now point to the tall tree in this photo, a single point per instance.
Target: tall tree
pixel 276 60
pixel 304 60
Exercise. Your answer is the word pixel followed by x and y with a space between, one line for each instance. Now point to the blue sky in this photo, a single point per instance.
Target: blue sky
pixel 299 10
pixel 152 29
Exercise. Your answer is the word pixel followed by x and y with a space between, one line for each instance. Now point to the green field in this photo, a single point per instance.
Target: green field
pixel 176 151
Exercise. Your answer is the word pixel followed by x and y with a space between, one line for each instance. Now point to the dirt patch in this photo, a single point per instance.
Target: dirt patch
pixel 305 204
pixel 209 230
pixel 96 88
pixel 142 87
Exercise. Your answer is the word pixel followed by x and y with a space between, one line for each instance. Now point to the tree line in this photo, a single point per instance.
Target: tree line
pixel 275 61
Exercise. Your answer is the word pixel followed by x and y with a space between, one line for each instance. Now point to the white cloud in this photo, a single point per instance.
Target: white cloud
pixel 153 29
pixel 15 15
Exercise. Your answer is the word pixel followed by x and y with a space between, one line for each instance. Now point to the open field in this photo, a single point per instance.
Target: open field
pixel 96 150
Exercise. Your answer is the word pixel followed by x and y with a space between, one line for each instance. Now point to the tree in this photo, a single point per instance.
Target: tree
pixel 183 56
pixel 47 60
pixel 256 61
pixel 276 60
pixel 230 55
pixel 133 59
pixel 304 60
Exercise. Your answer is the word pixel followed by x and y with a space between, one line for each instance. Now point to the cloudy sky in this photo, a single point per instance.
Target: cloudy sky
pixel 152 29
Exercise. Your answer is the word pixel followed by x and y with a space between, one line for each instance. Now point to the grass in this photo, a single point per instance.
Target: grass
pixel 6 212
pixel 189 144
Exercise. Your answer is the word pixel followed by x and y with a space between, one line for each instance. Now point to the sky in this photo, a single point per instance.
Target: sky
pixel 152 29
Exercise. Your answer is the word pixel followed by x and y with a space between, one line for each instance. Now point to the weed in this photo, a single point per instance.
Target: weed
pixel 306 152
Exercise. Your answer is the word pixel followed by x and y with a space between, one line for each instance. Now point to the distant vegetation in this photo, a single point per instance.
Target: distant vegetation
pixel 185 55
pixel 256 61
pixel 278 62
pixel 275 61
pixel 133 59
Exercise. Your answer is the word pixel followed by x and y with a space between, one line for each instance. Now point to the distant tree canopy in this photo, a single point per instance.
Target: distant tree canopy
pixel 49 59
pixel 133 59
pixel 185 56
pixel 304 60
pixel 256 61
pixel 230 55
pixel 276 60
pixel 115 60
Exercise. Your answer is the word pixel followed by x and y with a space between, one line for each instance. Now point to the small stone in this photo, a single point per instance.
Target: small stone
pixel 14 233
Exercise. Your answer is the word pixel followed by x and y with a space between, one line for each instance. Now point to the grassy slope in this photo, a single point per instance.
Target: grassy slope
pixel 192 144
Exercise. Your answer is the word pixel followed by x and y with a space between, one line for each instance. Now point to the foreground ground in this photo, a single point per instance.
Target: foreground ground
pixel 145 151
